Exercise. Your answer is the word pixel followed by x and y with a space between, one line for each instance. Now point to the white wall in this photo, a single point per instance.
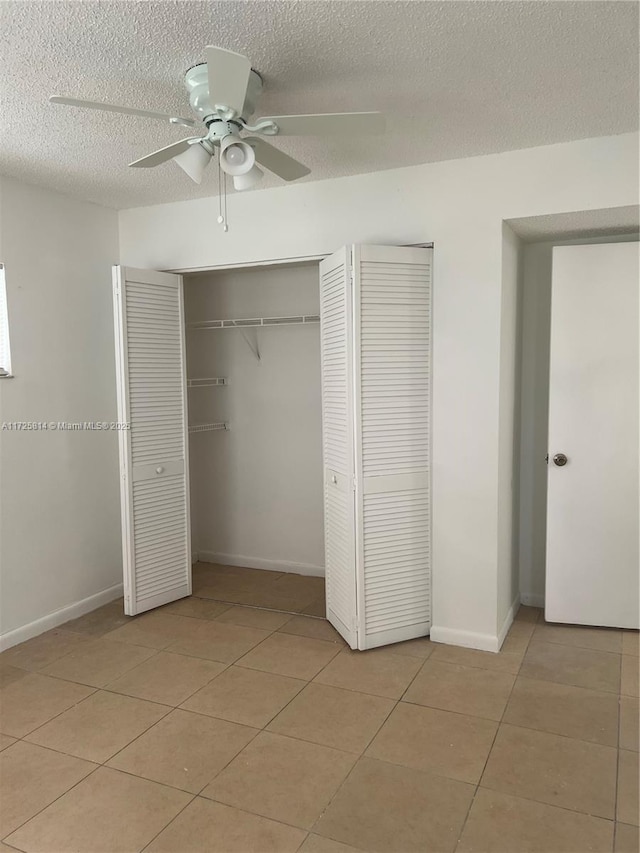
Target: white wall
pixel 534 414
pixel 257 489
pixel 460 205
pixel 508 579
pixel 60 525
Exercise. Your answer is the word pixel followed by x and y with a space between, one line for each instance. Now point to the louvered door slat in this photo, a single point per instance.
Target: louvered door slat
pixel 150 358
pixel 337 439
pixel 392 305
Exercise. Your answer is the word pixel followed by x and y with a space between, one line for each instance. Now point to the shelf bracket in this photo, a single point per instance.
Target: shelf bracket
pixel 251 340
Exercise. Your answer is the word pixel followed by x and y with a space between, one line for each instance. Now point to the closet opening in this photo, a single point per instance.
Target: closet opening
pixel 281 455
pixel 255 438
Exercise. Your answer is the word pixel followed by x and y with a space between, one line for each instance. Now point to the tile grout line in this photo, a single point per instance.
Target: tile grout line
pixel 170 708
pixel 39 812
pixel 308 682
pixel 264 729
pixel 362 754
pixel 107 687
pixel 259 607
pixel 92 760
pixel 359 755
pixel 89 639
pixel 59 714
pixel 188 711
pixel 615 798
pixel 156 652
pixel 578 648
pixel 225 664
pixel 516 676
pixel 236 808
pixel 528 799
pixel 499 723
pixel 168 824
pixel 44 674
pixel 104 763
pixel 231 604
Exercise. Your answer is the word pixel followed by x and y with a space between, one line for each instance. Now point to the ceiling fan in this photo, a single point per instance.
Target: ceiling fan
pixel 222 93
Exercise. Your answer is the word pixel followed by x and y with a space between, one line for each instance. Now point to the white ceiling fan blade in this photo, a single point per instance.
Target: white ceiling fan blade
pixel 110 108
pixel 164 154
pixel 276 161
pixel 328 123
pixel 228 74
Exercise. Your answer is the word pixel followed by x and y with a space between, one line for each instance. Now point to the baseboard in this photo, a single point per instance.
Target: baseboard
pixel 259 563
pixel 532 599
pixel 59 617
pixel 467 639
pixel 508 620
pixel 472 640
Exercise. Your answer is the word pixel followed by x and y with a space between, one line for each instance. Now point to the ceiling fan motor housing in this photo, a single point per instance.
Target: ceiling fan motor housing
pixel 197 85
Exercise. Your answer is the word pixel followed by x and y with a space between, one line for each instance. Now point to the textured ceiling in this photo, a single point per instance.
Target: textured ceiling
pixel 580 223
pixel 455 78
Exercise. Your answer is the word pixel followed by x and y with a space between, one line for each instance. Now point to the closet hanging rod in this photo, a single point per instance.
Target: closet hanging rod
pixel 205 382
pixel 300 319
pixel 208 427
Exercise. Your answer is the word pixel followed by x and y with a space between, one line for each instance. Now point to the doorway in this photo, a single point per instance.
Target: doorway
pixel 255 437
pixel 539 236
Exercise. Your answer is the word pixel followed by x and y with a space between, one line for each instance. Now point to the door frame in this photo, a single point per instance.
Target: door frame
pixel 288 261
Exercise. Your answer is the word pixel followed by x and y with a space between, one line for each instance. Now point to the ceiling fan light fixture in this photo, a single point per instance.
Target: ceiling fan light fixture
pixel 194 161
pixel 237 157
pixel 248 180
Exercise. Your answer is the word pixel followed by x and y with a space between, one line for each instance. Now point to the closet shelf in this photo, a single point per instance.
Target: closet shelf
pixel 301 319
pixel 208 427
pixel 207 381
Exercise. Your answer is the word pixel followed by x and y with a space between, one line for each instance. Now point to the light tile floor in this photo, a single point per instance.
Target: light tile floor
pixel 216 725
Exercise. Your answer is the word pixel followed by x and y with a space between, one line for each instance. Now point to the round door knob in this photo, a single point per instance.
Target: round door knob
pixel 159 469
pixel 560 459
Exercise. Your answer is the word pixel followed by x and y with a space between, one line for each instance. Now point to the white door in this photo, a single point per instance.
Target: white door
pixel 392 346
pixel 592 565
pixel 336 355
pixel 151 390
pixel 375 307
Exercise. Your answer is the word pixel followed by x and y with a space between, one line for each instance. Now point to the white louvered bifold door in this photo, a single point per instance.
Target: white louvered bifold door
pixel 392 351
pixel 336 334
pixel 151 385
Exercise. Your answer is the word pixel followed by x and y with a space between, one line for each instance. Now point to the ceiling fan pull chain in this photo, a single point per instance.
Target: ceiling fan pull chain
pixel 220 214
pixel 225 227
